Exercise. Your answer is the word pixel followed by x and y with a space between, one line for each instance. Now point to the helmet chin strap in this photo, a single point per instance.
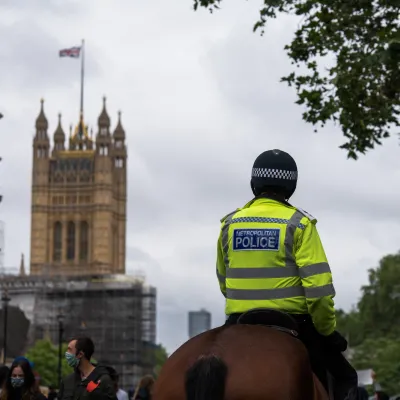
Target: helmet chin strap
pixel 253 189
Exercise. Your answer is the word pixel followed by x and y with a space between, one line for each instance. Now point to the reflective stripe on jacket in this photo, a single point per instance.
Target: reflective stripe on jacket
pixel 270 256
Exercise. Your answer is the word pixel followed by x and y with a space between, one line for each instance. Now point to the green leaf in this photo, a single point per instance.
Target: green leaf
pixel 44 354
pixel 363 38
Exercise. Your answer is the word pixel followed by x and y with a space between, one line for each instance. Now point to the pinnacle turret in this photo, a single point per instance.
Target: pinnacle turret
pixel 41 121
pixel 59 136
pixel 119 132
pixel 104 119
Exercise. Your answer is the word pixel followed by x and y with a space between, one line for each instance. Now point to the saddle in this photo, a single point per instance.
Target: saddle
pixel 270 318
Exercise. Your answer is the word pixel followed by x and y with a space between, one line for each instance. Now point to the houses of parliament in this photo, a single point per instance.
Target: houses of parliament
pixel 79 195
pixel 77 260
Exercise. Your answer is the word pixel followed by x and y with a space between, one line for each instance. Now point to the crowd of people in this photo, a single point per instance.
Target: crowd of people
pixel 87 380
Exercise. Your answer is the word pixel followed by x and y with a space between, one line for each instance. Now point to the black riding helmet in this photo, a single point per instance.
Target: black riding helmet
pixel 274 170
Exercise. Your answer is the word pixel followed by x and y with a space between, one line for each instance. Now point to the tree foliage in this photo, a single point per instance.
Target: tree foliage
pixel 379 306
pixel 383 356
pixel 44 354
pixel 360 39
pixel 350 325
pixel 161 357
pixel 373 327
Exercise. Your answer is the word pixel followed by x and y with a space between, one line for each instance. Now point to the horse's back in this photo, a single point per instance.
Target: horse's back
pixel 262 363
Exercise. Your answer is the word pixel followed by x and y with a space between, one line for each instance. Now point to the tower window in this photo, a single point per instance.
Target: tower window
pixel 84 244
pixel 41 134
pixel 115 247
pixel 103 150
pixel 41 152
pixel 119 162
pixel 57 242
pixel 118 144
pixel 71 241
pixel 103 131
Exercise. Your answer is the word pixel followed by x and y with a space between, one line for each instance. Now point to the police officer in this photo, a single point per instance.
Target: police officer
pixel 270 256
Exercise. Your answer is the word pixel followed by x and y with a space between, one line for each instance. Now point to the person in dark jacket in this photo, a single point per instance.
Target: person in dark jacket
pixel 144 389
pixel 4 370
pixel 362 393
pixel 87 382
pixel 20 383
pixel 52 394
pixel 379 395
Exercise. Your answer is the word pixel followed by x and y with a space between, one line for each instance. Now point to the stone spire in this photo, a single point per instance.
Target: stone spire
pixel 104 119
pixel 22 266
pixel 41 121
pixel 119 132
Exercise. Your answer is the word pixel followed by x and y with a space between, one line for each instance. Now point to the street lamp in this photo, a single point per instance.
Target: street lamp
pixel 5 300
pixel 60 319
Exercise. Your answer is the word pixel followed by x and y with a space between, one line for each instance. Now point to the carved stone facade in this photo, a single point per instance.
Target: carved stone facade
pixel 79 200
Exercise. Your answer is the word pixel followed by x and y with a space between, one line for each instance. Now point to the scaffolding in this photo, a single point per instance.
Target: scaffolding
pixel 117 311
pixel 2 244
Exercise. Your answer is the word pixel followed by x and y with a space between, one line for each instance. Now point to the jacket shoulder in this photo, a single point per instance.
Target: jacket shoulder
pixel 106 378
pixel 229 215
pixel 69 379
pixel 307 215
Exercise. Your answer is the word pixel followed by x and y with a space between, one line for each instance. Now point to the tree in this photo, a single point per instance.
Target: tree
pixel 350 326
pixel 373 327
pixel 360 91
pixel 382 355
pixel 161 357
pixel 379 306
pixel 45 357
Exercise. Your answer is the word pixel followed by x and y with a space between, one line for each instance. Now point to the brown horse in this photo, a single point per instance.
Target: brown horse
pixel 240 362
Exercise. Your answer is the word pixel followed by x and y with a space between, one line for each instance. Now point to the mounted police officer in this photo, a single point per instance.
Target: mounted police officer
pixel 270 256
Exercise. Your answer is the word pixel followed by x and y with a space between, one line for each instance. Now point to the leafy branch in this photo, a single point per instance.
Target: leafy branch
pixel 360 91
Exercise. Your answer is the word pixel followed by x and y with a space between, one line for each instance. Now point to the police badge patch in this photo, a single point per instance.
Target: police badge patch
pixel 256 239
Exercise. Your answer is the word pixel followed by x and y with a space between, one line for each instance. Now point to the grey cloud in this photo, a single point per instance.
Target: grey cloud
pixel 175 297
pixel 36 66
pixel 39 7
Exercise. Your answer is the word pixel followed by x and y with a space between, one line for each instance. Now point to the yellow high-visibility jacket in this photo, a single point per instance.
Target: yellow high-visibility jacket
pixel 270 256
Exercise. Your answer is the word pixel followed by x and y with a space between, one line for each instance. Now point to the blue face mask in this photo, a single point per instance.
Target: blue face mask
pixel 17 382
pixel 72 361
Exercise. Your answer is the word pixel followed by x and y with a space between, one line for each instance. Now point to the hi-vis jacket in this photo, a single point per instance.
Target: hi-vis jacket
pixel 270 256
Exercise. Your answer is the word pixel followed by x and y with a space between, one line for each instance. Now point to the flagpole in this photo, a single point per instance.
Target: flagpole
pixel 82 73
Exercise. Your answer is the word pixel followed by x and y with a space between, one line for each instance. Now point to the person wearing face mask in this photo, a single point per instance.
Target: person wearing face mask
pixel 20 383
pixel 87 382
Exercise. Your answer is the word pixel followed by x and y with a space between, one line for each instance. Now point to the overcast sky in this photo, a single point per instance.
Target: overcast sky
pixel 200 99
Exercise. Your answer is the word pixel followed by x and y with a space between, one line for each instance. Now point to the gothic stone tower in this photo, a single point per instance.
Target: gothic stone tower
pixel 79 200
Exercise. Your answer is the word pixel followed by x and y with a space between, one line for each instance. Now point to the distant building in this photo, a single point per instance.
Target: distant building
pixel 79 196
pixel 78 251
pixel 117 311
pixel 199 321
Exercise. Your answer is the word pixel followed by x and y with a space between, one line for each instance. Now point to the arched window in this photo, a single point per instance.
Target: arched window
pixel 84 244
pixel 57 242
pixel 71 241
pixel 119 162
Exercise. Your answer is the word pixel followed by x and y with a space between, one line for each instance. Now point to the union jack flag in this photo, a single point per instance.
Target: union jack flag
pixel 73 52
